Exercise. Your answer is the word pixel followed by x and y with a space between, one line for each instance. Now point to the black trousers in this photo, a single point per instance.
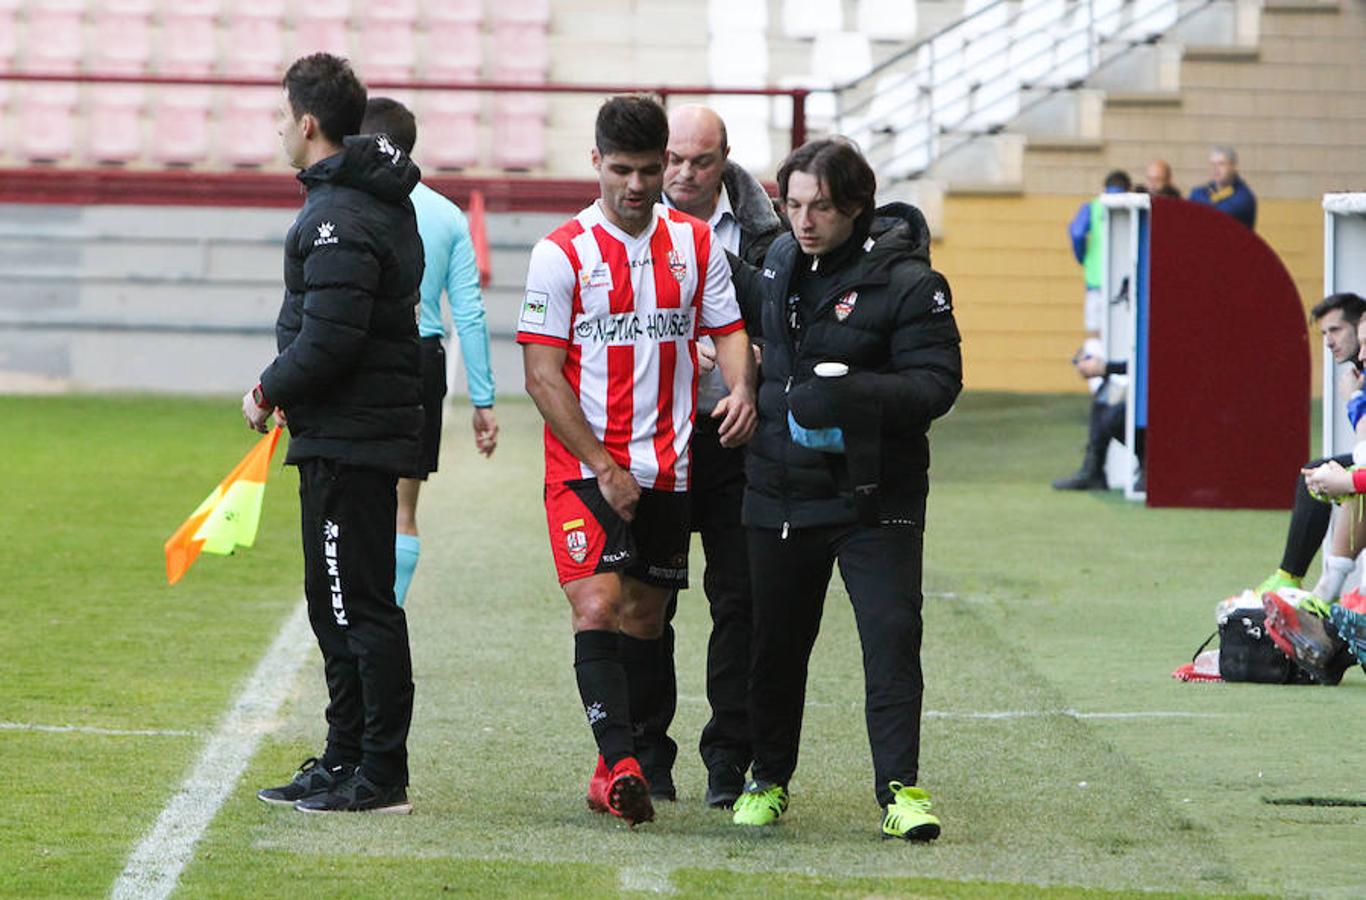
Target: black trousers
pixel 1309 521
pixel 718 487
pixel 881 567
pixel 347 515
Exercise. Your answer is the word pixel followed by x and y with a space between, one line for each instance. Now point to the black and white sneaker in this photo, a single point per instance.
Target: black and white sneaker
pixel 356 793
pixel 724 786
pixel 312 778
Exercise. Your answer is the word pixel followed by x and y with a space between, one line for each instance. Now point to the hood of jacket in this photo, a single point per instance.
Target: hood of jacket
pixel 898 230
pixel 368 162
pixel 749 201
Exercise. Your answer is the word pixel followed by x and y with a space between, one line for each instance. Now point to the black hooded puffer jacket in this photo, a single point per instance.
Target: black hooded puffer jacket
pixel 889 317
pixel 347 373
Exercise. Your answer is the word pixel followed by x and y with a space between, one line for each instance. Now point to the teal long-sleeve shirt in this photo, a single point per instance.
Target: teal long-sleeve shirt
pixel 451 269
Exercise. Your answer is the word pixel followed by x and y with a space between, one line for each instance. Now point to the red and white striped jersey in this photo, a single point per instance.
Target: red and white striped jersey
pixel 629 312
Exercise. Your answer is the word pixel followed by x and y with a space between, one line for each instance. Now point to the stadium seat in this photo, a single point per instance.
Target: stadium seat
pixel 887 20
pixel 254 47
pixel 470 12
pixel 180 125
pixel 1150 17
pixel 46 122
pixel 531 12
pixel 840 57
pixel 193 8
pixel 54 39
pixel 448 139
pixel 1036 32
pixel 188 44
pixel 950 101
pixel 388 11
pixel 1072 57
pixel 736 15
pixel 124 43
pixel 321 35
pixel 520 52
pixel 1109 17
pixel 388 50
pixel 143 8
pixel 738 59
pixel 9 37
pixel 246 128
pixel 518 141
pixel 821 106
pixel 746 121
pixel 452 51
pixel 809 18
pixel 912 150
pixel 898 101
pixel 114 122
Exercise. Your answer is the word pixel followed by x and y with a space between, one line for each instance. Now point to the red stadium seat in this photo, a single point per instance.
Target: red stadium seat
pixel 388 50
pixel 518 141
pixel 124 42
pixel 322 35
pixel 114 123
pixel 389 11
pixel 47 122
pixel 180 125
pixel 255 46
pixel 453 51
pixel 191 8
pixel 188 44
pixel 466 11
pixel 534 12
pixel 247 135
pixel 9 36
pixel 448 138
pixel 521 52
pixel 55 38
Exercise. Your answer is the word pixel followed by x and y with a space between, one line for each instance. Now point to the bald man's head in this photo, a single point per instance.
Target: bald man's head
pixel 1158 176
pixel 696 159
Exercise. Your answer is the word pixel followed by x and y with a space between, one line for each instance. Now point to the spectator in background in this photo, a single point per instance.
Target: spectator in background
pixel 450 268
pixel 1226 191
pixel 1088 245
pixel 1157 180
pixel 1107 423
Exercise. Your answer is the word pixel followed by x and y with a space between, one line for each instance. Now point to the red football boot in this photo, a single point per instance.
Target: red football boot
pixel 598 786
pixel 628 793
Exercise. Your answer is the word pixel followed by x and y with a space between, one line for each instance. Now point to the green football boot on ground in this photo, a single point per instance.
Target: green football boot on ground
pixel 909 817
pixel 760 804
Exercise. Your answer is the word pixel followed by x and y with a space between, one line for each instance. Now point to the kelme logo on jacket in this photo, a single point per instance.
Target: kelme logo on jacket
pixel 325 235
pixel 387 147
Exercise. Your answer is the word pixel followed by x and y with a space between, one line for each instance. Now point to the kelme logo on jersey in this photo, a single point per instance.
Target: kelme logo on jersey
pixel 533 307
pixel 677 266
pixel 845 305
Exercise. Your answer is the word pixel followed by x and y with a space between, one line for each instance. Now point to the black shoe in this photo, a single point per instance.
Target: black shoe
pixel 662 787
pixel 312 778
pixel 724 785
pixel 358 794
pixel 1082 480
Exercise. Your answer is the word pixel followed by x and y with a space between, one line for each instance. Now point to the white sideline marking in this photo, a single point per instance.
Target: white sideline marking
pixel 1001 714
pixel 91 729
pixel 642 879
pixel 156 863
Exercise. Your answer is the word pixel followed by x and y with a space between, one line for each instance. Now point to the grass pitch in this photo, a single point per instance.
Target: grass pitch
pixel 1062 758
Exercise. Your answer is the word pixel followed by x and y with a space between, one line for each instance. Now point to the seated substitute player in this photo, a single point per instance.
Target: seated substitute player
pixel 615 301
pixel 450 268
pixel 1338 317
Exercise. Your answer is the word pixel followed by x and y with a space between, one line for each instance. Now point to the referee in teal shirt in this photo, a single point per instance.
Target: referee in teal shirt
pixel 450 269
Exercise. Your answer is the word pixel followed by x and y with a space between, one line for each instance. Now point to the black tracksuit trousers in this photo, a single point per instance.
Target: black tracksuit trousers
pixel 718 487
pixel 881 567
pixel 347 515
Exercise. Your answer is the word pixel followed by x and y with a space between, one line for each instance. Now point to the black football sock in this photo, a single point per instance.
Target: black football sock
pixel 602 687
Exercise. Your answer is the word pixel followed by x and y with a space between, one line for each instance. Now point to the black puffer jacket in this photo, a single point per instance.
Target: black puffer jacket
pixel 889 317
pixel 347 371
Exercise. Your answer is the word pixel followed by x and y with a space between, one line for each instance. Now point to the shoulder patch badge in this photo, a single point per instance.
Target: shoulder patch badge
pixel 533 307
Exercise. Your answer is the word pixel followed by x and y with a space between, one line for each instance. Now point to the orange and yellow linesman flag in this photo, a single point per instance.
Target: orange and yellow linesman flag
pixel 228 517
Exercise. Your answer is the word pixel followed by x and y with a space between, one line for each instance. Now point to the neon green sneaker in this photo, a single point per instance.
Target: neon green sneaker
pixel 760 804
pixel 1311 604
pixel 908 817
pixel 1277 580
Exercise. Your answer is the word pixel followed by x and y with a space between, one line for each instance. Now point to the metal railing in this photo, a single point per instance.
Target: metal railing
pixel 901 109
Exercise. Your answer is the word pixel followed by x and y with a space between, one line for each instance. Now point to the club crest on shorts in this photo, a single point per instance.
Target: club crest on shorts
pixel 576 542
pixel 677 266
pixel 845 305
